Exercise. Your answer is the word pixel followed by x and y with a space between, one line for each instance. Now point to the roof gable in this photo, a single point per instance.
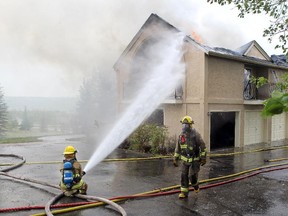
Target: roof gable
pixel 152 25
pixel 253 49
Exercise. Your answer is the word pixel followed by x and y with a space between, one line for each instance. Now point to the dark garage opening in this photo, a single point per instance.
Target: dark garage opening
pixel 222 131
pixel 157 117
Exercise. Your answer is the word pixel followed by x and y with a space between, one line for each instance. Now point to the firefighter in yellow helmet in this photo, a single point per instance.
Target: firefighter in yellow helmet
pixel 71 170
pixel 191 150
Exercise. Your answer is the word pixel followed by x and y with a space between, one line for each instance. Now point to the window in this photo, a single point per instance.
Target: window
pixel 157 117
pixel 249 91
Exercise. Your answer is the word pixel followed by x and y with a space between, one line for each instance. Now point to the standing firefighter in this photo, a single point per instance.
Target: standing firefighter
pixel 191 150
pixel 72 173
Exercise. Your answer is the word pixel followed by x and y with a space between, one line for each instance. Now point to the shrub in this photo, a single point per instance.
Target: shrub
pixel 149 138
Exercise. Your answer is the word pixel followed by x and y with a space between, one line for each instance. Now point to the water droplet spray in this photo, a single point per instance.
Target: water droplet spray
pixel 163 79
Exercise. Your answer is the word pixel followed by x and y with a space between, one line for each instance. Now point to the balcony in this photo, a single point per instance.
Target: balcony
pixel 254 96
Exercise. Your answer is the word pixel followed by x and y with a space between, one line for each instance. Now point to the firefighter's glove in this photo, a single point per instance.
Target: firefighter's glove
pixel 77 178
pixel 175 162
pixel 203 161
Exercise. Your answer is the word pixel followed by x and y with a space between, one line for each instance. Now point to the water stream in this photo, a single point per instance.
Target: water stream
pixel 163 78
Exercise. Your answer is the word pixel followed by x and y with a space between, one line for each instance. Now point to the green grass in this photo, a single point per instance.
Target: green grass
pixel 18 136
pixel 19 140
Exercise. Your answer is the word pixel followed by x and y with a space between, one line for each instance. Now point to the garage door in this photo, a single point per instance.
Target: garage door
pixel 279 127
pixel 253 127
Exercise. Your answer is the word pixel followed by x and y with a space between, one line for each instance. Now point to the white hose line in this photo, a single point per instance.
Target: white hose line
pixel 50 202
pixel 107 201
pixel 16 165
pixel 30 180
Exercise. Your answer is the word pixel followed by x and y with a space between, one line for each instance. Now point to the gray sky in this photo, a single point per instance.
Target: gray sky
pixel 47 48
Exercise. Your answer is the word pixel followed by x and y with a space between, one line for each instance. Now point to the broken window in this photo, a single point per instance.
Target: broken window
pixel 249 91
pixel 179 92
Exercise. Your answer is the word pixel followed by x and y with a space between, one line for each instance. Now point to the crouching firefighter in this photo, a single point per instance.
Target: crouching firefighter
pixel 72 174
pixel 191 150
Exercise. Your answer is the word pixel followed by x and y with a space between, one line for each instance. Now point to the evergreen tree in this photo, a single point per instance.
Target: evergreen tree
pixel 3 114
pixel 96 105
pixel 26 123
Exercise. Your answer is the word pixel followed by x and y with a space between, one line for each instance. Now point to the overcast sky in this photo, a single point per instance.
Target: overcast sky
pixel 47 48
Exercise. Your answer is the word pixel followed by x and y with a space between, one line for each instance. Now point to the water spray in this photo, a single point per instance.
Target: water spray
pixel 163 79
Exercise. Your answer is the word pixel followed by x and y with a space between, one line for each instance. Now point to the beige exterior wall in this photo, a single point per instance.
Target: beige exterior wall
pixel 173 113
pixel 224 94
pixel 225 80
pixel 193 98
pixel 195 67
pixel 194 88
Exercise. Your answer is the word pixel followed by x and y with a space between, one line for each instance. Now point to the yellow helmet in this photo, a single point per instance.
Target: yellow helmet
pixel 187 120
pixel 69 150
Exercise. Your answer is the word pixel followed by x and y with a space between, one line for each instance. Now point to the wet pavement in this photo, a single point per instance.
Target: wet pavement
pixel 263 194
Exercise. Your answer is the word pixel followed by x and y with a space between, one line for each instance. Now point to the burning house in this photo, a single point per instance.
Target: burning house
pixel 216 90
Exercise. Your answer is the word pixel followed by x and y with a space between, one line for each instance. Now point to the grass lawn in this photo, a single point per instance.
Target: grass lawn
pixel 25 136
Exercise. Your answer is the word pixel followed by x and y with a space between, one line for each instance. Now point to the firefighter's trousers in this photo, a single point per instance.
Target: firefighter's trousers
pixel 189 172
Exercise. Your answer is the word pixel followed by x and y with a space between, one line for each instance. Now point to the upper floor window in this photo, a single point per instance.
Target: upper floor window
pixel 249 91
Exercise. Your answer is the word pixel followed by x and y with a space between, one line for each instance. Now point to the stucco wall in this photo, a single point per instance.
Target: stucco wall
pixel 225 79
pixel 172 116
pixel 194 110
pixel 194 59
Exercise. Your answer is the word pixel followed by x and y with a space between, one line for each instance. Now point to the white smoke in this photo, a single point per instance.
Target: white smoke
pixel 66 40
pixel 162 79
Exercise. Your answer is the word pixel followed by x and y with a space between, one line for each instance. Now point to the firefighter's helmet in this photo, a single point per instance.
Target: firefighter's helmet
pixel 69 150
pixel 187 120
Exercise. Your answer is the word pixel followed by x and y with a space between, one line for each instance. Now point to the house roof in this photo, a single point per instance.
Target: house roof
pixel 275 62
pixel 241 54
pixel 245 49
pixel 152 20
pixel 280 60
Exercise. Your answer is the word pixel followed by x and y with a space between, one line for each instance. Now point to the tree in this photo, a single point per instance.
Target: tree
pixel 96 105
pixel 26 123
pixel 3 114
pixel 276 9
pixel 278 102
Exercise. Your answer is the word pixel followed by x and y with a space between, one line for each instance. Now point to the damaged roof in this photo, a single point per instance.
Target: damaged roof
pixel 240 54
pixel 280 60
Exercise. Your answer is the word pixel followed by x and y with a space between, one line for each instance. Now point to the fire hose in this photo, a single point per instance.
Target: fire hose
pixel 106 201
pixel 23 160
pixel 153 193
pixel 164 192
pixel 159 192
pixel 47 207
pixel 156 157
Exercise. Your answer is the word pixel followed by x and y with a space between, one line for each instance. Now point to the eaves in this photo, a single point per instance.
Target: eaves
pixel 249 60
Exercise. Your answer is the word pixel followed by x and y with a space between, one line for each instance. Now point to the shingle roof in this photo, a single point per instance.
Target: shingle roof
pixel 243 49
pixel 280 60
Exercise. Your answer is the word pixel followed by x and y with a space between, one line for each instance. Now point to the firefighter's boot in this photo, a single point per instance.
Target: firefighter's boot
pixel 183 195
pixel 196 189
